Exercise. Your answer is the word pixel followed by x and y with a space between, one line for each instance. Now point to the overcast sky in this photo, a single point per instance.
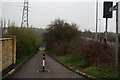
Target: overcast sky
pixel 42 12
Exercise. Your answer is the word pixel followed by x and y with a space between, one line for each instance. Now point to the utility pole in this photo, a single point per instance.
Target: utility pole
pixel 96 18
pixel 117 55
pixel 119 37
pixel 25 14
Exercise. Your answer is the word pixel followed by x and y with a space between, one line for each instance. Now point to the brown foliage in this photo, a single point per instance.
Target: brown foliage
pixel 60 47
pixel 94 53
pixel 63 38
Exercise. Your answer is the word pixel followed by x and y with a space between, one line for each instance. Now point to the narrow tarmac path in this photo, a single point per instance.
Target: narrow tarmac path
pixel 31 69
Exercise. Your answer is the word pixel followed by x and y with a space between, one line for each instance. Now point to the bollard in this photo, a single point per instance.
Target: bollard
pixel 43 62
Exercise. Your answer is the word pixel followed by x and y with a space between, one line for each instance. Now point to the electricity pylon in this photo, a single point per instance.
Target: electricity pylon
pixel 25 14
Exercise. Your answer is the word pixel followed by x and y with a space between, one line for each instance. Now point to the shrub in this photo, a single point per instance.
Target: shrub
pixel 60 47
pixel 94 53
pixel 63 38
pixel 58 31
pixel 27 42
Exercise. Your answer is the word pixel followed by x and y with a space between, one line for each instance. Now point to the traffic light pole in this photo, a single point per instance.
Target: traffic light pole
pixel 106 29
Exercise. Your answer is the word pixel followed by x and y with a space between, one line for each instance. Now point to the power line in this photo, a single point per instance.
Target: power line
pixel 25 14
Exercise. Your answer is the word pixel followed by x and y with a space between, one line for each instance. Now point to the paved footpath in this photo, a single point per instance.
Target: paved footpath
pixel 31 69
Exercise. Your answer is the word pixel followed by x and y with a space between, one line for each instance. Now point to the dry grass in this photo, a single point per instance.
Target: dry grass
pixel 94 53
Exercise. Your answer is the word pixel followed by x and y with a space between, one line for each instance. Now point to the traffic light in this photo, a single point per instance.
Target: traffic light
pixel 106 12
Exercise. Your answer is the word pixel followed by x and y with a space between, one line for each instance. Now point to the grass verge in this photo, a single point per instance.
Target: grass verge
pixel 101 71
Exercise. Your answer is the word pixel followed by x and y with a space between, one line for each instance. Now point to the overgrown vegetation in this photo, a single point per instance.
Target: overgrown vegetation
pixel 64 41
pixel 100 71
pixel 59 31
pixel 27 42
